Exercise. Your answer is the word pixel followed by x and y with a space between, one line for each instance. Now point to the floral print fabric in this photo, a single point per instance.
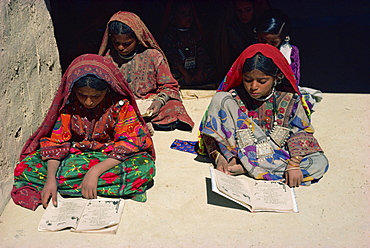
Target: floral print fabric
pixel 227 114
pixel 128 179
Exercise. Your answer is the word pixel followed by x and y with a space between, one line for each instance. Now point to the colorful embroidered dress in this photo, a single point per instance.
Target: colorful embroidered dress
pixel 80 138
pixel 148 73
pixel 237 125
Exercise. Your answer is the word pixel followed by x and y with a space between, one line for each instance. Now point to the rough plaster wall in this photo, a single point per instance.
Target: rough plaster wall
pixel 29 75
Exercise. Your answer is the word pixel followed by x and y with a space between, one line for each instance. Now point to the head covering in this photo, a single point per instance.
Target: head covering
pixel 83 65
pixel 234 77
pixel 142 33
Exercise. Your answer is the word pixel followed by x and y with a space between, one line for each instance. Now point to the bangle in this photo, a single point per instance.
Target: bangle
pixel 294 168
pixel 297 159
pixel 294 160
pixel 162 97
pixel 292 163
pixel 213 155
pixel 161 100
pixel 217 157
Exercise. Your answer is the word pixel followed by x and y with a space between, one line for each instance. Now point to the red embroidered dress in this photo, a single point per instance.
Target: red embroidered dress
pixel 80 138
pixel 112 127
pixel 148 72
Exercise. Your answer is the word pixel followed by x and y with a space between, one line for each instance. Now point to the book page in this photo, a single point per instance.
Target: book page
pixel 100 214
pixel 272 196
pixel 233 187
pixel 65 215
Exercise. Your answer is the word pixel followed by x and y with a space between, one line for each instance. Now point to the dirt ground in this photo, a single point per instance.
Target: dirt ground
pixel 182 212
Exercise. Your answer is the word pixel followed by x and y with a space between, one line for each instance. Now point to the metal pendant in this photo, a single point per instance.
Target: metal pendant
pixel 245 138
pixel 279 135
pixel 264 150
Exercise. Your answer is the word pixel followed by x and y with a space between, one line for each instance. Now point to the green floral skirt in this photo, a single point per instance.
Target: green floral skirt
pixel 129 179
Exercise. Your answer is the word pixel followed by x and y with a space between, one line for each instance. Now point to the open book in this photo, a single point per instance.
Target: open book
pixel 82 215
pixel 255 195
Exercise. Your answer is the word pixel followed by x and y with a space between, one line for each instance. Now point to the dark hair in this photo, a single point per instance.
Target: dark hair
pixel 262 63
pixel 274 21
pixel 117 27
pixel 91 81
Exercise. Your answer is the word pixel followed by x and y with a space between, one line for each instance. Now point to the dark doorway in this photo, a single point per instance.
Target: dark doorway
pixel 332 35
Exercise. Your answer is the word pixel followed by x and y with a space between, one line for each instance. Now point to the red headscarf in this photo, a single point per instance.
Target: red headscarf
pixel 142 33
pixel 83 65
pixel 234 77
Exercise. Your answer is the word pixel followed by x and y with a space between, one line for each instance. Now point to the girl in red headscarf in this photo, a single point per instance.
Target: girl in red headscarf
pixel 128 43
pixel 257 124
pixel 92 142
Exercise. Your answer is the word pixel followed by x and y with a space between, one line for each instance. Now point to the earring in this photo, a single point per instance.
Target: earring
pixel 255 33
pixel 287 38
pixel 279 79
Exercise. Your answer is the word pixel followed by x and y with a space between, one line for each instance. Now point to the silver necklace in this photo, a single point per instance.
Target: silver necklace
pixel 267 97
pixel 128 57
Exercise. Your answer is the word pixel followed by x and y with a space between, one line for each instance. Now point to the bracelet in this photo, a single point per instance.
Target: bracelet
pixel 295 168
pixel 163 98
pixel 213 155
pixel 160 99
pixel 297 159
pixel 217 157
pixel 292 163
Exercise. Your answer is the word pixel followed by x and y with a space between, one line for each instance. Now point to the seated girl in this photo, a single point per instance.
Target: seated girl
pixel 143 64
pixel 93 141
pixel 183 43
pixel 258 124
pixel 273 27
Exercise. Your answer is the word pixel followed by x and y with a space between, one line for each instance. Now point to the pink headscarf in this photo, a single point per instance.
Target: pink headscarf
pixel 142 33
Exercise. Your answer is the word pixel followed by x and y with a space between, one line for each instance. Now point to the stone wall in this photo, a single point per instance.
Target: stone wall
pixel 29 75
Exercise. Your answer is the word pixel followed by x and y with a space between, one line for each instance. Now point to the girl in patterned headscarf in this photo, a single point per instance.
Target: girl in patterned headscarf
pixel 128 43
pixel 92 142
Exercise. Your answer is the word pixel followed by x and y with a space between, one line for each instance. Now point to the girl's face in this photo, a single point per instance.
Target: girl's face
pixel 89 97
pixel 257 83
pixel 184 16
pixel 244 11
pixel 124 44
pixel 271 39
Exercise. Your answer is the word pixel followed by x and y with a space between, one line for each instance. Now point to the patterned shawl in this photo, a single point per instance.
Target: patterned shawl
pixel 234 77
pixel 142 33
pixel 101 67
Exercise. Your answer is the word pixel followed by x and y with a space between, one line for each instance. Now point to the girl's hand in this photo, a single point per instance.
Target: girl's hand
pixel 293 178
pixel 49 190
pixel 231 168
pixel 89 185
pixel 154 108
pixel 222 164
pixel 90 182
pixel 235 169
